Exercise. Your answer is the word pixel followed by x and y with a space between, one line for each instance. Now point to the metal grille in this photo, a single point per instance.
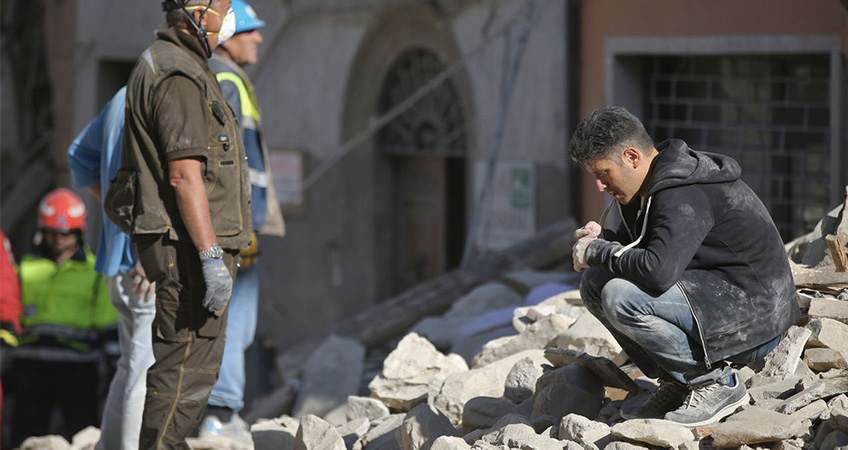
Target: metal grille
pixel 770 113
pixel 434 125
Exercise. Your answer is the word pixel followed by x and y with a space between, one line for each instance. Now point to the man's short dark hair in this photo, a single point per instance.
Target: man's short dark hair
pixel 604 133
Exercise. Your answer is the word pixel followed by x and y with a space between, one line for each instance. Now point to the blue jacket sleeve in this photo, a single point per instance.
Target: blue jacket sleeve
pixel 84 154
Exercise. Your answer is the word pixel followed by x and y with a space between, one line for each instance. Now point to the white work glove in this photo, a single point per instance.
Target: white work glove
pixel 219 284
pixel 578 253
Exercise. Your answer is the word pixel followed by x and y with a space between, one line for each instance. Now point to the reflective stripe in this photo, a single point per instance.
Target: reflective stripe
pixel 258 178
pixel 55 354
pixel 147 56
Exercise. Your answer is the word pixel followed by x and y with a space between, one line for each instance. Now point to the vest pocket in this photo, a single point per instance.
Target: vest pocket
pixel 121 199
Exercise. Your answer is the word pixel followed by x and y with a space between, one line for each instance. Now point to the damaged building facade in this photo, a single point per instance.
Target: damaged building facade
pixel 399 181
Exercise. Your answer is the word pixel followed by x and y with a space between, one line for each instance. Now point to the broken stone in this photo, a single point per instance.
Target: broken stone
pixel 483 412
pixel 823 359
pixel 277 434
pixel 821 389
pixel 451 394
pixel 369 408
pixel 589 335
pixel 561 399
pixel 586 432
pixel 535 336
pixel 782 361
pixel 521 436
pixel 829 308
pixel 542 423
pixel 755 425
pixel 440 331
pixel 407 370
pixel 450 443
pixel 608 373
pixel 353 430
pixel 521 381
pixel 383 433
pixel 655 432
pixel 532 280
pixel 574 374
pixel 332 373
pixel 315 433
pixel 829 333
pixel 835 440
pixel 422 426
pixel 621 445
pixel 813 411
pixel 484 298
pixel 767 389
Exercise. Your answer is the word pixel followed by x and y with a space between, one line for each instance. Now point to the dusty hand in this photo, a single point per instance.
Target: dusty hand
pixel 219 284
pixel 143 288
pixel 591 229
pixel 578 253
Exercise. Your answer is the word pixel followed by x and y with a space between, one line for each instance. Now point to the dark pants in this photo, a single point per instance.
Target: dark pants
pixel 41 385
pixel 188 342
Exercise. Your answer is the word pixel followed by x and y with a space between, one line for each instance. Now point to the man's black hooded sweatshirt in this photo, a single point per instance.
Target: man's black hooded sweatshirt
pixel 704 229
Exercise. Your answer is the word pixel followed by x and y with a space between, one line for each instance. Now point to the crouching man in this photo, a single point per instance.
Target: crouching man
pixel 694 278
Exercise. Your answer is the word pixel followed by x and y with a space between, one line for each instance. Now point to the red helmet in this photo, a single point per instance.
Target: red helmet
pixel 61 210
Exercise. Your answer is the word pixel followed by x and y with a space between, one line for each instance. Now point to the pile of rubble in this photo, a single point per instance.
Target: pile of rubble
pixel 519 363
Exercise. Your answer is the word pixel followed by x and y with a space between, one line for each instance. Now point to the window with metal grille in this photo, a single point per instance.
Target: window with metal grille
pixel 771 113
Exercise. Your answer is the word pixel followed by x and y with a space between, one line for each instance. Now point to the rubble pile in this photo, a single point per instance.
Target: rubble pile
pixel 519 363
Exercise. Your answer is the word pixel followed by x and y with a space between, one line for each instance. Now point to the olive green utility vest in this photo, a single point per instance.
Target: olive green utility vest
pixel 141 199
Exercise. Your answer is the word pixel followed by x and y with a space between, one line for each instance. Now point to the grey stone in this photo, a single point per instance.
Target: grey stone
pixel 574 374
pixel 469 346
pixel 608 373
pixel 817 390
pixel 316 434
pixel 536 336
pixel 521 381
pixel 783 360
pixel 589 335
pixel 522 436
pixel 275 434
pixel 422 426
pixel 484 298
pixel 450 394
pixel 450 443
pixel 526 280
pixel 835 440
pixel 813 411
pixel 823 359
pixel 561 399
pixel 753 426
pixel 829 333
pixel 782 389
pixel 407 371
pixel 51 442
pixel 621 445
pixel 542 423
pixel 588 433
pixel 524 316
pixel 655 432
pixel 332 373
pixel 383 433
pixel 354 430
pixel 829 308
pixel 483 412
pixel 370 408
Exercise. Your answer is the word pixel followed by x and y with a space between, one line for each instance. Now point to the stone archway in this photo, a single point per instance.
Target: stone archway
pixel 418 160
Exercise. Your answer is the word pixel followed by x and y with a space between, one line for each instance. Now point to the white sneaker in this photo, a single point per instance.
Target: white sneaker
pixel 236 429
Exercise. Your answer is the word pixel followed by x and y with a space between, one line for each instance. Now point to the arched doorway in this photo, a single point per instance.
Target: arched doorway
pixel 417 173
pixel 427 148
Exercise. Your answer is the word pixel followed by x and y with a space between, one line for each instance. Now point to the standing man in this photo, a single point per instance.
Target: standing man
pixel 227 61
pixel 95 156
pixel 183 194
pixel 696 276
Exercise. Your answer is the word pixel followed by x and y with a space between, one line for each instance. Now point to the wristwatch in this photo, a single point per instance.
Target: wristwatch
pixel 213 252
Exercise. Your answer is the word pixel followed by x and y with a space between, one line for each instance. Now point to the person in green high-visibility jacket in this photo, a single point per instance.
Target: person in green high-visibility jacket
pixel 67 323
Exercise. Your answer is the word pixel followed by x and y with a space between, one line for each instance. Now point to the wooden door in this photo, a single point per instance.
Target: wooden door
pixel 421 219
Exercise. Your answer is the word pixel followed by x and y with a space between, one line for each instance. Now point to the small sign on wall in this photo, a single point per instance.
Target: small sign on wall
pixel 510 213
pixel 288 169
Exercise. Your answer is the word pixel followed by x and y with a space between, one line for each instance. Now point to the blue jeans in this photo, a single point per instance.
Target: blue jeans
pixel 658 333
pixel 241 327
pixel 122 412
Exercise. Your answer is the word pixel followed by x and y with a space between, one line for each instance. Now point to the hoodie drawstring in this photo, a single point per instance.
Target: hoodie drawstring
pixel 641 234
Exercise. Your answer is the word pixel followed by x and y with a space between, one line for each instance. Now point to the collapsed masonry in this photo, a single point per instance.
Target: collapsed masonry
pixel 502 370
